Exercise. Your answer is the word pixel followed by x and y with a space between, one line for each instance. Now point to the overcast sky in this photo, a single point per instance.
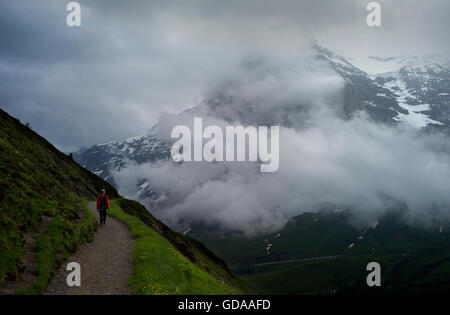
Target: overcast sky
pixel 130 61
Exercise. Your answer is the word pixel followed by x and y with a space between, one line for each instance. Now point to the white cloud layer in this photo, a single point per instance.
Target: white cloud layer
pixel 354 164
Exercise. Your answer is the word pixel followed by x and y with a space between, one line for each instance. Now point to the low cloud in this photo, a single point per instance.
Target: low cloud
pixel 325 160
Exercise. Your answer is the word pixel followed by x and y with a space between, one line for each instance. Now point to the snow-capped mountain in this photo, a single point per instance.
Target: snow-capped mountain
pixel 422 87
pixel 406 89
pixel 361 91
pixel 102 158
pixel 409 90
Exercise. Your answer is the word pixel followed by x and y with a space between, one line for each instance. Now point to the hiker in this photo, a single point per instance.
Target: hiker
pixel 102 205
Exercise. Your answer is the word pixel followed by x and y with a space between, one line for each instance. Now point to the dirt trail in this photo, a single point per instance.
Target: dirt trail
pixel 105 262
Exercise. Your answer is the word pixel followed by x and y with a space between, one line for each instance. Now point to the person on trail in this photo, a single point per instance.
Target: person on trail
pixel 102 205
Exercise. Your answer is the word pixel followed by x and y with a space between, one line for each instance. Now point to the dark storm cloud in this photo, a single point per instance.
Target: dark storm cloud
pixel 132 60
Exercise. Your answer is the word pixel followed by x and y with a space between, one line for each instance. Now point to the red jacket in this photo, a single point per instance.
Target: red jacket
pixel 99 198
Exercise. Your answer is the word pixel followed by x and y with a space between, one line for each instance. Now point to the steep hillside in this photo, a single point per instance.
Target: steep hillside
pixel 44 215
pixel 166 262
pixel 41 202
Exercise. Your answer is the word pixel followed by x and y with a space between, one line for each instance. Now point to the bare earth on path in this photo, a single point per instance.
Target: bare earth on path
pixel 105 262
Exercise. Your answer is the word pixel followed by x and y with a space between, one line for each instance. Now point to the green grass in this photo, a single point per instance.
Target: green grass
pixel 39 182
pixel 159 268
pixel 60 239
pixel 195 251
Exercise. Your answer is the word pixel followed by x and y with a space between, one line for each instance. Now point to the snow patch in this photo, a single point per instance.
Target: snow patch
pixel 187 231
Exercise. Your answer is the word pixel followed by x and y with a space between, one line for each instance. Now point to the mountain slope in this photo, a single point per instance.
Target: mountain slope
pixel 409 89
pixel 165 262
pixel 422 87
pixel 44 197
pixel 361 92
pixel 101 158
pixel 41 189
pixel 324 253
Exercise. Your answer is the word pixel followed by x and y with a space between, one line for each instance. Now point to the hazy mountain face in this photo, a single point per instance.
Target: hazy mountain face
pixel 348 138
pixel 102 158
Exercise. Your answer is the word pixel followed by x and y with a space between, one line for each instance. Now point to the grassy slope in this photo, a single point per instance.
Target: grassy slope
pixel 192 265
pixel 62 237
pixel 158 268
pixel 38 181
pixel 39 184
